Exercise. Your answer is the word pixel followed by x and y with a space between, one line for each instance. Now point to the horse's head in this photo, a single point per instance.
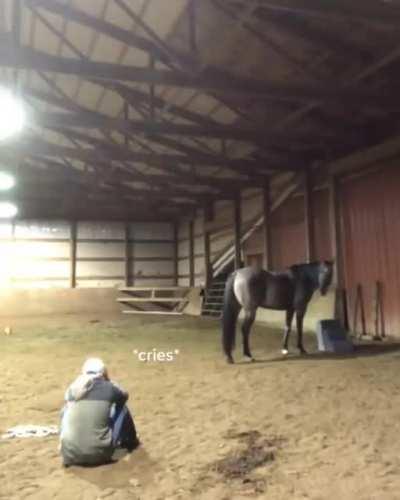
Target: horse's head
pixel 325 273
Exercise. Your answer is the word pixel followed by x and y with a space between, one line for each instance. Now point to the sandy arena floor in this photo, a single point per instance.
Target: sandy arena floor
pixel 299 428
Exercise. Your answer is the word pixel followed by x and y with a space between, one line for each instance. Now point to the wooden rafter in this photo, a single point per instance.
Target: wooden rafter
pixel 29 59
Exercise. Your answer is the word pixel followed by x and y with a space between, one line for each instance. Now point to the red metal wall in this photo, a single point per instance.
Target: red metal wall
pixel 370 209
pixel 288 232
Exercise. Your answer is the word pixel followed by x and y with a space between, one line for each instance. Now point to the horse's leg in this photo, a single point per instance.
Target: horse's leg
pixel 299 323
pixel 289 319
pixel 249 317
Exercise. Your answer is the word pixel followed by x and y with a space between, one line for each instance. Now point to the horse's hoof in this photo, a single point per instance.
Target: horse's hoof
pixel 303 352
pixel 249 359
pixel 284 352
pixel 229 360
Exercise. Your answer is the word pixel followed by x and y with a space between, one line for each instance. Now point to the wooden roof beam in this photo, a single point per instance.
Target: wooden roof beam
pixel 40 147
pixel 166 141
pixel 25 58
pixel 95 120
pixel 312 33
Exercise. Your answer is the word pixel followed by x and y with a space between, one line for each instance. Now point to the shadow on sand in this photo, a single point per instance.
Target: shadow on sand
pixel 118 473
pixel 360 350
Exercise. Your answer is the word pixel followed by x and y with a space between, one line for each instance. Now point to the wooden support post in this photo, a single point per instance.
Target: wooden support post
pixel 127 256
pixel 267 226
pixel 208 217
pixel 191 254
pixel 334 210
pixel 132 259
pixel 237 231
pixel 207 265
pixel 378 310
pixel 359 307
pixel 309 217
pixel 338 276
pixel 175 255
pixel 72 247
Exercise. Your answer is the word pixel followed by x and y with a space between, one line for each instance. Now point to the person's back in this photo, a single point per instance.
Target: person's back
pixel 87 431
pixel 87 435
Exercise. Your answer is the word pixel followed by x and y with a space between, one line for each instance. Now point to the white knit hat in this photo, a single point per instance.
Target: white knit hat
pixel 94 366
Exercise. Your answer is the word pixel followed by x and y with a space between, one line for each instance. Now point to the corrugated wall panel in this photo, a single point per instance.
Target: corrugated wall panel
pixel 287 234
pixel 151 231
pixel 42 229
pixel 100 230
pixel 199 245
pixel 6 230
pixel 40 270
pixel 93 267
pixel 183 248
pixel 99 268
pixel 183 230
pixel 36 254
pixel 39 254
pixel 41 250
pixel 97 250
pixel 371 242
pixel 164 268
pixel 143 250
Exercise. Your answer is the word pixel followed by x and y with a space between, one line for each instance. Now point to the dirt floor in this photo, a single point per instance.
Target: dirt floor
pixel 296 428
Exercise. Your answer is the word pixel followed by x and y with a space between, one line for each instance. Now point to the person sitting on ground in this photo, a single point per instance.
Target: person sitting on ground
pixel 95 419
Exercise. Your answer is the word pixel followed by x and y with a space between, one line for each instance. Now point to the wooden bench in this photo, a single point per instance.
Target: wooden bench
pixel 168 300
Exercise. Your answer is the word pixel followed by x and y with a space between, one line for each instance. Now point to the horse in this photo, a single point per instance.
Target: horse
pixel 290 291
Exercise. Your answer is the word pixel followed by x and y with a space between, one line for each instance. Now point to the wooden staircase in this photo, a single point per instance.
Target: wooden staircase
pixel 214 298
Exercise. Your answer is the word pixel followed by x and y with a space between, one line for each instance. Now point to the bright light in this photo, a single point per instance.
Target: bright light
pixel 7 210
pixel 12 114
pixel 7 181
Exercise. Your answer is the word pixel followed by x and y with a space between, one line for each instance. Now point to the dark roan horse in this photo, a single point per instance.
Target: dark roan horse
pixel 291 291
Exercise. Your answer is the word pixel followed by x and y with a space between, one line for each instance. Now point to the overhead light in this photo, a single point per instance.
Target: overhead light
pixel 7 181
pixel 7 210
pixel 12 114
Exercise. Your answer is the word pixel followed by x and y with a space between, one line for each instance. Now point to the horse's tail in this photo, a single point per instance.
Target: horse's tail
pixel 230 313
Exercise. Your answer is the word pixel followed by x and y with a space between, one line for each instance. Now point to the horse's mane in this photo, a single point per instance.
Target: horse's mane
pixel 304 270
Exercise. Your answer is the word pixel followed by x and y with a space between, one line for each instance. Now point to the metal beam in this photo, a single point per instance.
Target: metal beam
pixel 370 11
pixel 180 177
pixel 301 27
pixel 135 95
pixel 39 147
pixel 72 252
pixel 191 254
pixel 150 127
pixel 208 80
pixel 267 226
